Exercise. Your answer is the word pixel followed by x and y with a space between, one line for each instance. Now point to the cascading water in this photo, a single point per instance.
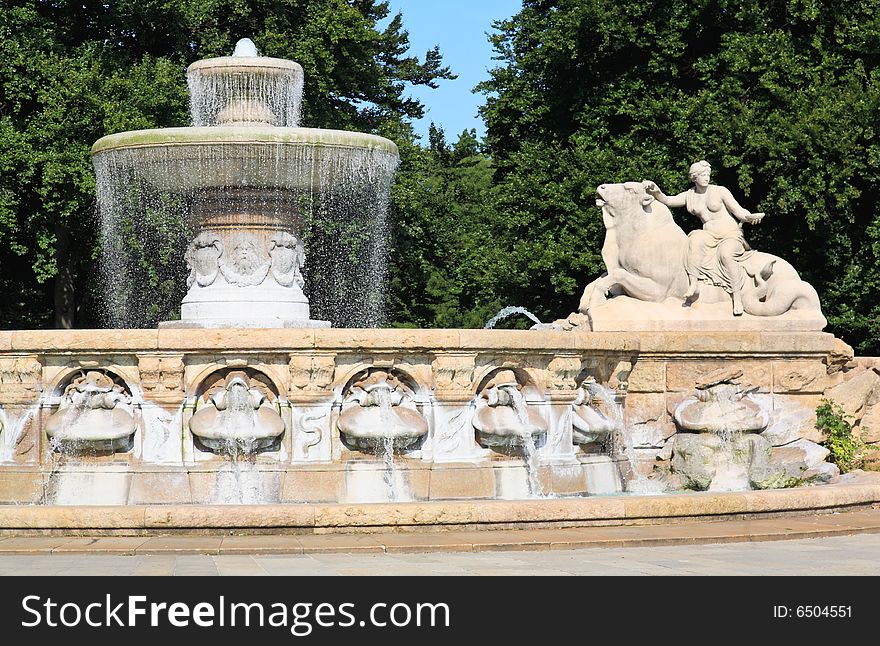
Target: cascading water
pixel 731 473
pixel 239 481
pixel 638 483
pixel 530 450
pixel 245 169
pixel 81 401
pixel 383 395
pixel 508 312
pixel 263 93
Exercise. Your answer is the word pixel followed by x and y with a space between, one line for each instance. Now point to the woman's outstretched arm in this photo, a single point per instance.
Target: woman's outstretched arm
pixel 736 210
pixel 674 201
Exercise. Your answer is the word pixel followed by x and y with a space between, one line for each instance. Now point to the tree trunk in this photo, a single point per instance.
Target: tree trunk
pixel 65 302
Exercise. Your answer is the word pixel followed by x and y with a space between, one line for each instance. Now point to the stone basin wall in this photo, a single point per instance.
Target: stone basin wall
pixel 309 369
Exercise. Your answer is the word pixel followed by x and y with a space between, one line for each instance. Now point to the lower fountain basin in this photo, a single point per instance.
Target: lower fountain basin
pixel 370 429
pixel 96 430
pixel 224 436
pixel 502 427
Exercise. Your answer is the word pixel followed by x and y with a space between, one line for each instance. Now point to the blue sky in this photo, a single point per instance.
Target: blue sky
pixel 459 27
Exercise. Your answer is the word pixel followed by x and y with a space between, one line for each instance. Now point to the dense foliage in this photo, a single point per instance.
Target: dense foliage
pixel 835 424
pixel 781 96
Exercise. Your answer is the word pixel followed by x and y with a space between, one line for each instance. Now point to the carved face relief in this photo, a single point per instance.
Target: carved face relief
pixel 245 256
pixel 203 259
pixel 93 390
pixel 288 257
pixel 245 263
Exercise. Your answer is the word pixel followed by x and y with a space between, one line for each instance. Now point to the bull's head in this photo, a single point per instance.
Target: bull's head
pixel 618 200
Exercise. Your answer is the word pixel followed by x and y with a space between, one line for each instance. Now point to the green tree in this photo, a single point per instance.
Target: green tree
pixel 443 253
pixel 72 72
pixel 782 97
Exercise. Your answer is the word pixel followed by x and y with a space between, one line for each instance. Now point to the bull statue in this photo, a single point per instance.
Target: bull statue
pixel 648 258
pixel 644 250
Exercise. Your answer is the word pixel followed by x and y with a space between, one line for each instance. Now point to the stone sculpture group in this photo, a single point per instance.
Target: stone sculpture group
pixel 712 274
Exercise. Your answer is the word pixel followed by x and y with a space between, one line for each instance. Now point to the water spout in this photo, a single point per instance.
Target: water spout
pixel 510 311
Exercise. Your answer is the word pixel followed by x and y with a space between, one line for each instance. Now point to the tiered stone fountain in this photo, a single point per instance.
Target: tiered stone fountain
pixel 252 398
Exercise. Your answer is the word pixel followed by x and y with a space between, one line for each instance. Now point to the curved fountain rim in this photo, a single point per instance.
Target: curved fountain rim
pixel 238 135
pixel 222 64
pixel 443 515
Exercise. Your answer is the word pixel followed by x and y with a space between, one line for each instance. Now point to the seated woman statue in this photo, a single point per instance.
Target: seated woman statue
pixel 715 251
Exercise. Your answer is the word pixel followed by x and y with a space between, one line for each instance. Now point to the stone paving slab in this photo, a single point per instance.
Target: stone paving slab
pixel 181 545
pixel 104 544
pixel 261 545
pixel 331 543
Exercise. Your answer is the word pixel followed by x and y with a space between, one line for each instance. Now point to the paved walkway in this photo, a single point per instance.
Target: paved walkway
pixel 839 555
pixel 845 543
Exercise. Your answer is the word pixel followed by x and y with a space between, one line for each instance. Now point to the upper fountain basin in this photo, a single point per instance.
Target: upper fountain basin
pixel 245 64
pixel 245 90
pixel 182 159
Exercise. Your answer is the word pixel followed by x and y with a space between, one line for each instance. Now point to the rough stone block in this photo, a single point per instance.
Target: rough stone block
pixel 683 375
pixel 788 421
pixel 21 488
pixel 869 427
pixel 824 472
pixel 809 453
pixel 857 393
pixel 790 406
pixel 450 482
pixel 311 485
pixel 799 376
pixel 159 488
pixel 647 377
